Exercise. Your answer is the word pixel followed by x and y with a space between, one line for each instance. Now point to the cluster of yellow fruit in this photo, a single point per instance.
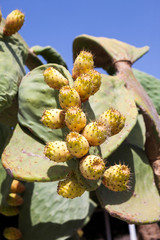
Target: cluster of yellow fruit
pixel 87 82
pixel 14 200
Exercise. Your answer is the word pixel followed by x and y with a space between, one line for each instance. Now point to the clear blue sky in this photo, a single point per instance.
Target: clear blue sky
pixel 57 23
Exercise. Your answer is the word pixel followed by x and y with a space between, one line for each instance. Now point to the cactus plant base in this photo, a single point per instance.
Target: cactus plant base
pixel 138 204
pixel 23 159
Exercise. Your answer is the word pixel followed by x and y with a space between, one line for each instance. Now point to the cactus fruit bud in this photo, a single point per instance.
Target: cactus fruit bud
pixel 82 64
pixel 69 97
pixel 9 211
pixel 113 119
pixel 12 233
pixel 75 119
pixel 77 144
pixel 17 187
pixel 53 118
pixel 54 78
pixel 92 167
pixel 14 22
pixel 83 86
pixel 96 133
pixel 14 200
pixel 70 188
pixel 57 151
pixel 116 178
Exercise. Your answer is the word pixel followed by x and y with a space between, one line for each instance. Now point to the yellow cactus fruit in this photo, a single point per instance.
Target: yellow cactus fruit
pixel 17 187
pixel 92 167
pixel 54 78
pixel 57 151
pixel 95 80
pixel 116 178
pixel 14 200
pixel 113 119
pixel 96 133
pixel 70 187
pixel 12 233
pixel 77 144
pixel 53 118
pixel 14 22
pixel 75 119
pixel 9 211
pixel 69 97
pixel 83 86
pixel 82 64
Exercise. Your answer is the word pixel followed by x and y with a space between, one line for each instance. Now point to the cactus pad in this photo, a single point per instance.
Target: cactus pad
pixel 23 159
pixel 137 205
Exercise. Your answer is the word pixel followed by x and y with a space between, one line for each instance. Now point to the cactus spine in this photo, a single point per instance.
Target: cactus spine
pixel 82 64
pixel 12 233
pixel 53 118
pixel 92 167
pixel 0 16
pixel 57 151
pixel 113 119
pixel 75 119
pixel 116 178
pixel 77 144
pixel 96 133
pixel 69 97
pixel 54 78
pixel 14 22
pixel 70 187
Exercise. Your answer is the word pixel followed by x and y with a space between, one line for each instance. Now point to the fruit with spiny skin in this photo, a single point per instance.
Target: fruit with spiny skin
pixel 92 167
pixel 113 119
pixel 57 151
pixel 17 187
pixel 77 144
pixel 82 64
pixel 70 187
pixel 83 86
pixel 53 118
pixel 12 233
pixel 14 200
pixel 9 211
pixel 95 80
pixel 116 178
pixel 96 133
pixel 69 97
pixel 14 22
pixel 54 78
pixel 75 119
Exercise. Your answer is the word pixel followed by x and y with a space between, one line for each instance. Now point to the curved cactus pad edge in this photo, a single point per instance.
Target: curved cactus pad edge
pixel 23 159
pixel 106 50
pixel 141 203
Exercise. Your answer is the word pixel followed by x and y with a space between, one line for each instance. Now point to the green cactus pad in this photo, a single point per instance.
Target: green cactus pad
pixel 151 86
pixel 107 51
pixel 14 50
pixel 140 204
pixel 49 54
pixel 45 213
pixel 34 97
pixel 24 159
pixel 113 94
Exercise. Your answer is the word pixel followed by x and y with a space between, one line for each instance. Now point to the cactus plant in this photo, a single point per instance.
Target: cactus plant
pixel 32 152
